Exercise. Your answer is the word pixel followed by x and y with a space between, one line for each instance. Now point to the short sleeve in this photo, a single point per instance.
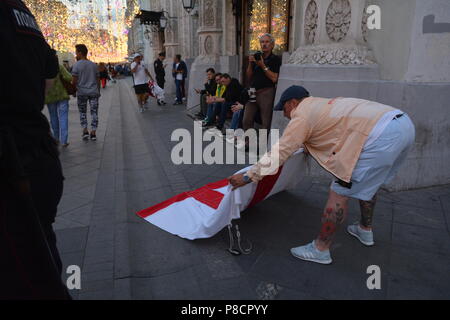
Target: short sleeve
pixel 133 65
pixel 75 70
pixel 275 64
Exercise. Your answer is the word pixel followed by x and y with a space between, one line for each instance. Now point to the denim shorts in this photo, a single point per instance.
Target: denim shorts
pixel 379 163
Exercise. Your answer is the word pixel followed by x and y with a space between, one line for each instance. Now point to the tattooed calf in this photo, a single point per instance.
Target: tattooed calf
pixel 331 220
pixel 367 209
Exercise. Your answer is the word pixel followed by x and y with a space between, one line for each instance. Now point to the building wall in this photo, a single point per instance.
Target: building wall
pixel 400 65
pixel 411 73
pixel 429 60
pixel 392 44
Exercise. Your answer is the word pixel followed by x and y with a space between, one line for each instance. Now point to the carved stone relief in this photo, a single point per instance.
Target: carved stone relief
pixel 209 45
pixel 311 17
pixel 333 55
pixel 338 19
pixel 364 28
pixel 209 13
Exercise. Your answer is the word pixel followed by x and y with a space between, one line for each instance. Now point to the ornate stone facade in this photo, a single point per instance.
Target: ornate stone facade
pixel 338 19
pixel 364 28
pixel 311 18
pixel 335 33
pixel 209 45
pixel 333 55
pixel 209 13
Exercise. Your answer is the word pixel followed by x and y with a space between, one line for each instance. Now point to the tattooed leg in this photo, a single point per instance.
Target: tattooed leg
pixel 367 208
pixel 334 215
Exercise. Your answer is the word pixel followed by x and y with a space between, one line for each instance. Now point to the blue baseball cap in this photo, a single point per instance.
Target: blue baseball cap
pixel 293 92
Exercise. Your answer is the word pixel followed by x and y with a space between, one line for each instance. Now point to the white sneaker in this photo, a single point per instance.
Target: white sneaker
pixel 364 236
pixel 310 253
pixel 141 109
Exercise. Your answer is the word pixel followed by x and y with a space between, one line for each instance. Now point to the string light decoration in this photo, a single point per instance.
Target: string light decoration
pixel 269 16
pixel 101 25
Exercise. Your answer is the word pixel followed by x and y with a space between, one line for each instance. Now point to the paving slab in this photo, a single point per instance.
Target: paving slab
pixel 129 169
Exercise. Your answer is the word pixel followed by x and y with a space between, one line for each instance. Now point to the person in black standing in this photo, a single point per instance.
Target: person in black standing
pixel 179 73
pixel 262 72
pixel 31 180
pixel 159 70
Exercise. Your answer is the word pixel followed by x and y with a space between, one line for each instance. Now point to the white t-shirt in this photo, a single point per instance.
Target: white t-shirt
pixel 140 76
pixel 179 75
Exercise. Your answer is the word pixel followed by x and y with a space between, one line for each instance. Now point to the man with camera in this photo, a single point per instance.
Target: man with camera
pixel 262 71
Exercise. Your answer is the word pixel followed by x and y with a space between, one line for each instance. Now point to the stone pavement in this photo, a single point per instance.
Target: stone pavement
pixel 124 257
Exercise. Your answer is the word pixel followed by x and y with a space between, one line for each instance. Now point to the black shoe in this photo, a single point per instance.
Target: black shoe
pixel 159 103
pixel 93 137
pixel 85 135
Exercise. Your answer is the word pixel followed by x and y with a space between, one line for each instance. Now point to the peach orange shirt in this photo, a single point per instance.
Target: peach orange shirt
pixel 334 132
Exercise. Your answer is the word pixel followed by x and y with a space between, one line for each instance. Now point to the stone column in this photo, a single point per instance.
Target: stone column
pixel 333 59
pixel 210 34
pixel 171 45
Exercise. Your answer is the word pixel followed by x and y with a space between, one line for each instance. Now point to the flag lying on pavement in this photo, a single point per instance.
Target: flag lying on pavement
pixel 204 212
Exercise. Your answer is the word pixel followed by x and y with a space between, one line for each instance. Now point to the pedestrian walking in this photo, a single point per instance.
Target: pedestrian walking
pixel 159 70
pixel 86 79
pixel 141 77
pixel 57 101
pixel 103 73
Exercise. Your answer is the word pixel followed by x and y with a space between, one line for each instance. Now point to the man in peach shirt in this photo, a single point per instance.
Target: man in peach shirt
pixel 362 143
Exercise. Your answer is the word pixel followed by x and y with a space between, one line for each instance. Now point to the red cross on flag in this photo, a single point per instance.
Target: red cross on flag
pixel 204 212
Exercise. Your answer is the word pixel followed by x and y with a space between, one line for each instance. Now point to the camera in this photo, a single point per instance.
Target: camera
pixel 251 95
pixel 258 55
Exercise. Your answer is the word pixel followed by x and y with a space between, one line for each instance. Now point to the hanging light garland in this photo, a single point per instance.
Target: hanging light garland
pixel 101 25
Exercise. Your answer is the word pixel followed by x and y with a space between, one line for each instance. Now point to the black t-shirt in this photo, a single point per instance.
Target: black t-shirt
pixel 210 87
pixel 159 69
pixel 233 92
pixel 260 80
pixel 27 61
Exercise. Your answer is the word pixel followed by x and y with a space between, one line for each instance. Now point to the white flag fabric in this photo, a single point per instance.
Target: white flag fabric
pixel 204 212
pixel 156 91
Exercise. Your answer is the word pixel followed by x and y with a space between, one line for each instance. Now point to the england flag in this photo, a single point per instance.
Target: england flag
pixel 202 213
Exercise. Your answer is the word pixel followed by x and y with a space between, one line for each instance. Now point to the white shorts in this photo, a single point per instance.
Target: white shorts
pixel 380 161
